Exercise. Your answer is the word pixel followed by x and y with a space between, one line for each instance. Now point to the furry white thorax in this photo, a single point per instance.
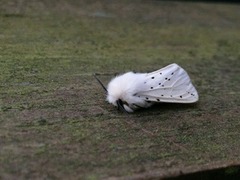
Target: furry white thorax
pixel 125 87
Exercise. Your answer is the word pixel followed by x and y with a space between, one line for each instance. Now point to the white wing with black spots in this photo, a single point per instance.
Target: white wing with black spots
pixel 169 84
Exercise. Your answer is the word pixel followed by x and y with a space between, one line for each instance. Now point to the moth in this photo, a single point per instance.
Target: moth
pixel 132 91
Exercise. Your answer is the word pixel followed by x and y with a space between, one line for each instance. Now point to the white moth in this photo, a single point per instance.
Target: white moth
pixel 131 91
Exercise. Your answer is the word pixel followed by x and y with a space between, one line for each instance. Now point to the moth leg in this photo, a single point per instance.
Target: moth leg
pixel 120 106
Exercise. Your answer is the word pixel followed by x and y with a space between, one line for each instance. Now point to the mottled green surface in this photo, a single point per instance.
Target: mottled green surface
pixel 54 121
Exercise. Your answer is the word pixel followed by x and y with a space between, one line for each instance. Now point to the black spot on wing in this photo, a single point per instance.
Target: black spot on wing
pixel 153 77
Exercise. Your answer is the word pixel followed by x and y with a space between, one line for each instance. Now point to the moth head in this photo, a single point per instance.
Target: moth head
pixel 123 106
pixel 119 102
pixel 115 100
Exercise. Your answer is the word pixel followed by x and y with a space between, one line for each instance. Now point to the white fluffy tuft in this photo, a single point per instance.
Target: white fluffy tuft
pixel 123 87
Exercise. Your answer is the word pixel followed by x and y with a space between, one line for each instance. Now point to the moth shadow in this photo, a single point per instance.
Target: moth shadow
pixel 160 108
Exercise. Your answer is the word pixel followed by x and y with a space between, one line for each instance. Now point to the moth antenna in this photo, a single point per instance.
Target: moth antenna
pixel 100 82
pixel 120 106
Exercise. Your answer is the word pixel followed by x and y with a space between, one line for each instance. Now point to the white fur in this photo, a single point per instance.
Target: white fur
pixel 169 84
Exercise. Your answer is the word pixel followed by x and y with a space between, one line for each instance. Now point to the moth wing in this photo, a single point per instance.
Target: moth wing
pixel 169 84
